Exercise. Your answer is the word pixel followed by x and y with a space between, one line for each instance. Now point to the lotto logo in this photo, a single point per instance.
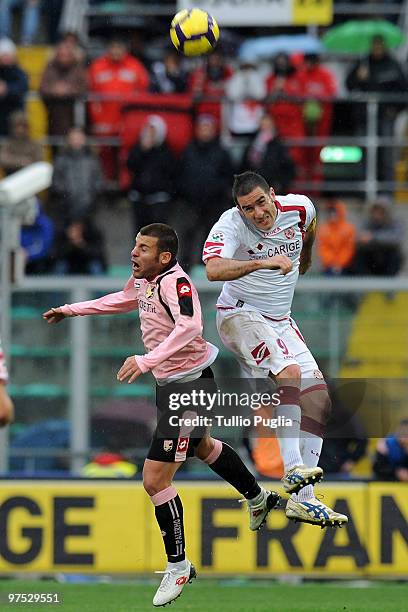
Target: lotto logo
pixel 182 444
pixel 260 352
pixel 184 290
pixel 181 580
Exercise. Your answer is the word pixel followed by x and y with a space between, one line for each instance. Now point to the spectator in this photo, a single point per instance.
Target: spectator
pixel 391 459
pixel 318 85
pixel 209 81
pixel 269 156
pixel 13 84
pixel 117 75
pixel 62 83
pixel 110 463
pixel 80 249
pixel 6 403
pixel 37 237
pixel 169 75
pixel 379 250
pixel 30 18
pixel 380 73
pixel 19 151
pixel 345 441
pixel 284 91
pixel 74 41
pixel 77 180
pixel 245 90
pixel 263 447
pixel 203 185
pixel 336 240
pixel 152 166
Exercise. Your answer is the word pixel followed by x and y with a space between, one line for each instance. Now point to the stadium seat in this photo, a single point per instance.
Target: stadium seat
pixel 175 109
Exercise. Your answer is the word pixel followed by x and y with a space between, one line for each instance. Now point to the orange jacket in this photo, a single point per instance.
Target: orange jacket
pixel 336 240
pixel 106 77
pixel 265 450
pixel 267 458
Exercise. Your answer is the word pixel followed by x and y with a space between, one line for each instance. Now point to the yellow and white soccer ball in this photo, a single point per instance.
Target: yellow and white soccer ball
pixel 194 32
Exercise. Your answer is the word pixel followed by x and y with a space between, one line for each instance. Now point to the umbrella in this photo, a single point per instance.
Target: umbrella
pixel 127 424
pixel 266 47
pixel 356 36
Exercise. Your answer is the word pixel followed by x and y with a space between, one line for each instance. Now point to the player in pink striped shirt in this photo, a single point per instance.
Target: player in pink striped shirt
pixel 180 360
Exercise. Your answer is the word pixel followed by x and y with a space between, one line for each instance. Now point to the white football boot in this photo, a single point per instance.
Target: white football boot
pixel 314 512
pixel 300 476
pixel 259 512
pixel 173 583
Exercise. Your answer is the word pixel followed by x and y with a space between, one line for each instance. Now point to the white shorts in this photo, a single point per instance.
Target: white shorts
pixel 262 345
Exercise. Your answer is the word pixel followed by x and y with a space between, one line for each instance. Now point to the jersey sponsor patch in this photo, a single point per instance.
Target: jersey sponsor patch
pixel 260 352
pixel 212 248
pixel 185 297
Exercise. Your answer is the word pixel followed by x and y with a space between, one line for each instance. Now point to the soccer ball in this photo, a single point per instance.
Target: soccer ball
pixel 194 32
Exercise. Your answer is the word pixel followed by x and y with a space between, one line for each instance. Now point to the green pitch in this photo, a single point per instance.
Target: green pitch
pixel 212 596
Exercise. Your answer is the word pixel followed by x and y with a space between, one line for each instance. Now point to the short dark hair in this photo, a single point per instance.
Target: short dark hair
pixel 167 239
pixel 246 182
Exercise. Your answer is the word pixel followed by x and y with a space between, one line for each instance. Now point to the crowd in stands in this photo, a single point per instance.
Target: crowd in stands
pixel 374 248
pixel 185 178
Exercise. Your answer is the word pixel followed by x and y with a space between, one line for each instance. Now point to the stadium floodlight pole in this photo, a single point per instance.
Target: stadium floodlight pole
pixel 16 192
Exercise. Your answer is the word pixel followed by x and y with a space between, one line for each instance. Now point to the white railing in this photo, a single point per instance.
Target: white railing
pixel 80 339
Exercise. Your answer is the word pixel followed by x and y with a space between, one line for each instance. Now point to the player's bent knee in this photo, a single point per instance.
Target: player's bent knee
pixel 154 482
pixel 291 373
pixel 205 448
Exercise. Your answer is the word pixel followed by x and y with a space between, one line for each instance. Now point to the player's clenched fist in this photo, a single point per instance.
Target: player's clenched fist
pixel 54 315
pixel 279 262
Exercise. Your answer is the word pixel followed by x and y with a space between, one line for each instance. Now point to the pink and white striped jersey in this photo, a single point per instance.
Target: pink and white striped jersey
pixel 3 367
pixel 234 237
pixel 170 320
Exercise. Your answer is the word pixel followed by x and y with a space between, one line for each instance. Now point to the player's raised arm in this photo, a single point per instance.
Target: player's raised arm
pixel 113 303
pixel 221 269
pixel 306 254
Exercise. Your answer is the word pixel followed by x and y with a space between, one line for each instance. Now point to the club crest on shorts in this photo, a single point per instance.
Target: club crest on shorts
pixel 149 291
pixel 260 352
pixel 167 445
pixel 317 374
pixel 289 233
